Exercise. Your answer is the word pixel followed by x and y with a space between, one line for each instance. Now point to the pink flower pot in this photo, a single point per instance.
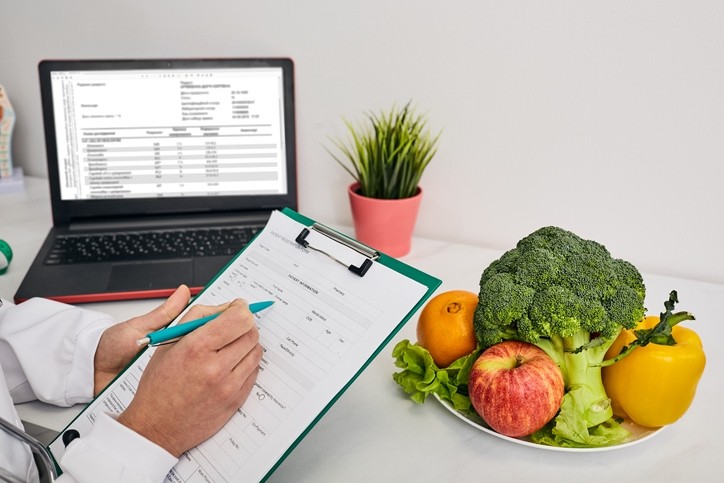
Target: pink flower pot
pixel 385 225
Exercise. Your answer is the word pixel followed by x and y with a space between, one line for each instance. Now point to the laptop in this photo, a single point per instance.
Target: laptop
pixel 160 171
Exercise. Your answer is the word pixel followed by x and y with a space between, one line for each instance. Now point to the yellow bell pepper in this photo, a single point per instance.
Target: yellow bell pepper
pixel 655 384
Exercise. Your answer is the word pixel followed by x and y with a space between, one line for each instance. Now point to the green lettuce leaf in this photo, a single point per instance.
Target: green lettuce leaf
pixel 569 430
pixel 420 376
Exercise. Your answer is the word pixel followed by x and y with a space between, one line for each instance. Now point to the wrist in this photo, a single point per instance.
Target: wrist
pixel 147 428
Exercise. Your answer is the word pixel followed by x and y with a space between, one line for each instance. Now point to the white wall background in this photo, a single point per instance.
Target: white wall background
pixel 603 117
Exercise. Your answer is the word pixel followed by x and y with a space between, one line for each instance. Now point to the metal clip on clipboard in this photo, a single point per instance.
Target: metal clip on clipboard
pixel 369 253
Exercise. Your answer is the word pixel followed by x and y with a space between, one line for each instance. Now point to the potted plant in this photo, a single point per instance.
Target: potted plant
pixel 386 156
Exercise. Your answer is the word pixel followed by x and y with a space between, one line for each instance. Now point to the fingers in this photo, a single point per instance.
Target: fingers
pixel 232 324
pixel 243 354
pixel 166 312
pixel 233 338
pixel 248 368
pixel 242 377
pixel 247 386
pixel 173 305
pixel 198 311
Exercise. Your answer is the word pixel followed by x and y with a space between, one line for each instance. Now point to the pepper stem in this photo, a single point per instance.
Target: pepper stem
pixel 658 334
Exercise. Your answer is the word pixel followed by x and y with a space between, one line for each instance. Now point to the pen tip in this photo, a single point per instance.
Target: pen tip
pixel 144 341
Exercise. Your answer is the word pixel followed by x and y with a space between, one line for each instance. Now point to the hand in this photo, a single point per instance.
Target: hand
pixel 117 345
pixel 190 389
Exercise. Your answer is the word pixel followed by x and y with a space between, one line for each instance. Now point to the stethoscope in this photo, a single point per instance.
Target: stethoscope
pixel 46 468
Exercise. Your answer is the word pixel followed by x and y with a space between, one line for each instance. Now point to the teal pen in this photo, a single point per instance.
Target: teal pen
pixel 170 333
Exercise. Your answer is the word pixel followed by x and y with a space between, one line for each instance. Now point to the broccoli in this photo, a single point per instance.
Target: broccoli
pixel 571 298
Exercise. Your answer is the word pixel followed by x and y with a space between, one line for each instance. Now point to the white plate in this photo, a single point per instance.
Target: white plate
pixel 639 434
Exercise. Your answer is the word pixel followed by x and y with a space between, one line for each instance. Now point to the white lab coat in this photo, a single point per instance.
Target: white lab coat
pixel 46 353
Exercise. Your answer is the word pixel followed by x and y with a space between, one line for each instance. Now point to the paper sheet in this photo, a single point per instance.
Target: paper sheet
pixel 324 326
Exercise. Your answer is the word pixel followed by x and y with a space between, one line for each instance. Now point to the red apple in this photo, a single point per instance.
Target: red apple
pixel 516 388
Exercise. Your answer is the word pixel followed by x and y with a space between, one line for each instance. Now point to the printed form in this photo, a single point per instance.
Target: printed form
pixel 325 324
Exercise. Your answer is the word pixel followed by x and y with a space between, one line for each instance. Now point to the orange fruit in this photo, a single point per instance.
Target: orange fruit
pixel 445 327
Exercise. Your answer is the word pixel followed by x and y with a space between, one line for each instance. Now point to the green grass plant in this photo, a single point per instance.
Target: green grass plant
pixel 387 154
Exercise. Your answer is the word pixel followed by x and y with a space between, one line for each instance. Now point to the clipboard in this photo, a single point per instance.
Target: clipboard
pixel 302 263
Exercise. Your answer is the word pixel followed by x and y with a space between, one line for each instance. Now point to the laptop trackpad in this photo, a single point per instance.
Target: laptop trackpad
pixel 150 275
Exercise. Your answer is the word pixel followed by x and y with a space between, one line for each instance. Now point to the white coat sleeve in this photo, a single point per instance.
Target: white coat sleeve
pixel 47 350
pixel 112 453
pixel 15 458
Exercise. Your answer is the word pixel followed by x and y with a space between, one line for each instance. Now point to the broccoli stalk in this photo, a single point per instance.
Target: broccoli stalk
pixel 568 296
pixel 581 372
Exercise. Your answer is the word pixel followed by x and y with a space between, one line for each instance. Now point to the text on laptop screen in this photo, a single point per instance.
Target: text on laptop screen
pixel 181 132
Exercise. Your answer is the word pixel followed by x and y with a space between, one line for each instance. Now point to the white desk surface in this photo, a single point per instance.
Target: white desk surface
pixel 375 433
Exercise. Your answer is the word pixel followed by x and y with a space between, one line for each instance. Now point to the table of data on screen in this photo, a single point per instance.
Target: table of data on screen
pixel 185 133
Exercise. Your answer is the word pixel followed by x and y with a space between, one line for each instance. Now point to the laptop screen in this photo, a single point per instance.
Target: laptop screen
pixel 138 137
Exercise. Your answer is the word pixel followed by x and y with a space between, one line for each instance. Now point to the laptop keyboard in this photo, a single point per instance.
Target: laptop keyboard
pixel 150 245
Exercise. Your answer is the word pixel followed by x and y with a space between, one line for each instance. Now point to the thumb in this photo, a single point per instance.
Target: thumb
pixel 164 313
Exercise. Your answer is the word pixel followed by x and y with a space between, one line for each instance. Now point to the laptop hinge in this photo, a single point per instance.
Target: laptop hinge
pixel 170 222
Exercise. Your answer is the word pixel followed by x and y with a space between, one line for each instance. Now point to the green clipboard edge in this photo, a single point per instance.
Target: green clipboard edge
pixel 429 281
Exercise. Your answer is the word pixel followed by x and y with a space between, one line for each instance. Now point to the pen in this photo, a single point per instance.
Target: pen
pixel 170 333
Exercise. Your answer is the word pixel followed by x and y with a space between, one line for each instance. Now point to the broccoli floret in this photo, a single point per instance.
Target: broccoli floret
pixel 570 297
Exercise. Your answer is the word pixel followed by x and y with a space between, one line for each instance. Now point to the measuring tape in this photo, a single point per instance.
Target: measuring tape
pixel 6 254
